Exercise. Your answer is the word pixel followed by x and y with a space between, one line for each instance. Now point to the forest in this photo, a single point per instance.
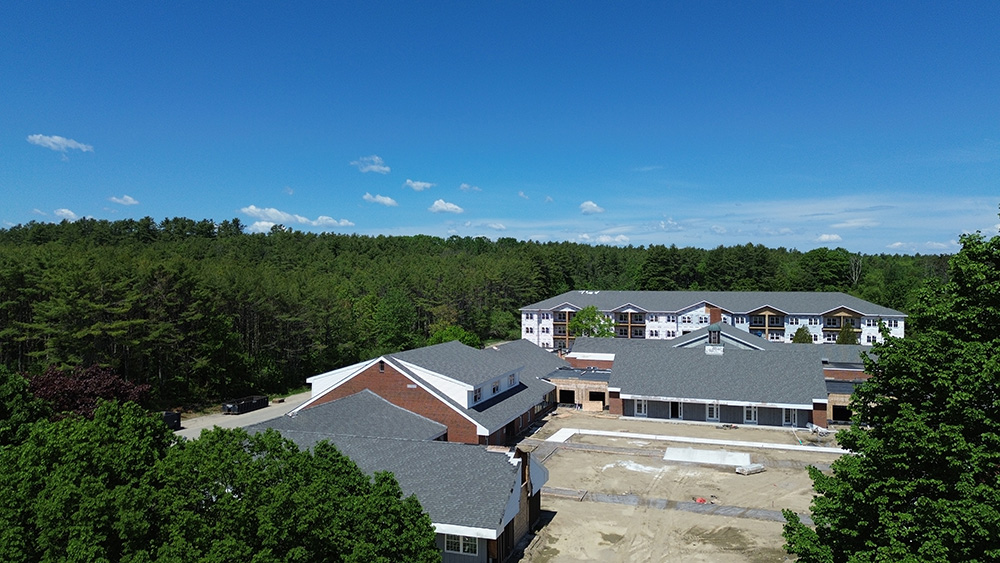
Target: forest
pixel 201 311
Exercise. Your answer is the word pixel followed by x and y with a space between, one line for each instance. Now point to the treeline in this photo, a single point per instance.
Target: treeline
pixel 199 310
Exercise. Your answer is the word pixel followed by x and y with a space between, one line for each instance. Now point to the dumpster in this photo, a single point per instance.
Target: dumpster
pixel 244 405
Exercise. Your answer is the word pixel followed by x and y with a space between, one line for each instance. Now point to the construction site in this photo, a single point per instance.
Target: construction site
pixel 628 489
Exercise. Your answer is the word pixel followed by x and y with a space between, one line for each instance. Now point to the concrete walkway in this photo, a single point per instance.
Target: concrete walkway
pixel 564 434
pixel 192 427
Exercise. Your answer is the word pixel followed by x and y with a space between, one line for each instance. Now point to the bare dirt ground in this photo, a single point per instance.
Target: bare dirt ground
pixel 616 499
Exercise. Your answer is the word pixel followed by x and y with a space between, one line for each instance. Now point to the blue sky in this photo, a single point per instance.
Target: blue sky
pixel 872 126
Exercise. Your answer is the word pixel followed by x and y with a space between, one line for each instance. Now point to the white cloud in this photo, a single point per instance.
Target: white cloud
pixel 828 238
pixel 548 199
pixel 57 143
pixel 380 199
pixel 896 244
pixel 289 190
pixel 522 195
pixel 373 163
pixel 65 214
pixel 260 226
pixel 469 188
pixel 608 239
pixel 124 200
pixel 936 245
pixel 588 207
pixel 718 229
pixel 497 226
pixel 275 216
pixel 860 222
pixel 671 225
pixel 37 211
pixel 443 206
pixel 418 186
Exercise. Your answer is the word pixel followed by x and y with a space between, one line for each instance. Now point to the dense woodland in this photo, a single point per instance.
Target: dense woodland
pixel 202 311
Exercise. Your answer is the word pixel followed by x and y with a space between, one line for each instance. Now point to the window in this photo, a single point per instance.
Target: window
pixel 623 317
pixel 829 337
pixel 623 332
pixel 561 317
pixel 740 320
pixel 545 330
pixel 703 320
pixel 671 334
pixel 653 318
pixel 813 321
pixel 892 323
pixel 749 415
pixel 833 322
pixel 546 316
pixel 793 320
pixel 496 387
pixel 671 318
pixel 757 320
pixel 528 329
pixel 654 334
pixel 686 319
pixel 775 320
pixel 637 332
pixel 815 338
pixel 712 412
pixel 461 544
pixel 529 316
pixel 381 366
pixel 511 380
pixel 477 395
pixel 872 339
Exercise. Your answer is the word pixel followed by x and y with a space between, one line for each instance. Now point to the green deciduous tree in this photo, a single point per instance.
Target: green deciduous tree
pixel 802 336
pixel 923 480
pixel 121 488
pixel 455 333
pixel 591 322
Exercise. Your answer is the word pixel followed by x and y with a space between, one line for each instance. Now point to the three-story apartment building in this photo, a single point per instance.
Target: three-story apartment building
pixel 774 315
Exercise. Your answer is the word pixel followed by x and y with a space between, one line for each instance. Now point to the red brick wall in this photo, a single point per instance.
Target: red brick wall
pixel 844 374
pixel 819 414
pixel 615 405
pixel 599 364
pixel 402 392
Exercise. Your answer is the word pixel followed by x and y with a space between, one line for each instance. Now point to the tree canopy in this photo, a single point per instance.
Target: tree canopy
pixel 200 311
pixel 121 487
pixel 922 482
pixel 591 322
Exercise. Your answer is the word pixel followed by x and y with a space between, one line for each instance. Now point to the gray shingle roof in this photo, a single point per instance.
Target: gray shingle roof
pixel 735 302
pixel 793 376
pixel 361 414
pixel 730 334
pixel 459 484
pixel 454 358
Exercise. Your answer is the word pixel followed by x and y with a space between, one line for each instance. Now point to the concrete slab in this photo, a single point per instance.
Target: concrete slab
pixel 711 457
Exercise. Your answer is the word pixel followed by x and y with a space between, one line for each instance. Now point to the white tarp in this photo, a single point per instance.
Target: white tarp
pixel 711 457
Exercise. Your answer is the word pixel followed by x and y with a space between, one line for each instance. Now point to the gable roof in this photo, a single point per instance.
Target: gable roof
pixel 463 486
pixel 361 414
pixel 454 357
pixel 735 302
pixel 455 360
pixel 730 334
pixel 790 377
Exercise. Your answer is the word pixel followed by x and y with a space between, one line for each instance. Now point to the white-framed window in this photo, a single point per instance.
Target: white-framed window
pixel 892 323
pixel 871 339
pixel 829 337
pixel 749 414
pixel 789 417
pixel 654 334
pixel 477 394
pixel 703 320
pixel 496 387
pixel 529 330
pixel 793 320
pixel 686 319
pixel 815 338
pixel 623 332
pixel 813 321
pixel 671 318
pixel 671 334
pixel 529 316
pixel 546 316
pixel 833 322
pixel 461 544
pixel 653 319
pixel 545 330
pixel 511 379
pixel 712 412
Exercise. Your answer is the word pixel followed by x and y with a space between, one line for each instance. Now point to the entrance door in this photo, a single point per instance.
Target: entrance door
pixel 640 407
pixel 790 417
pixel 675 409
pixel 749 415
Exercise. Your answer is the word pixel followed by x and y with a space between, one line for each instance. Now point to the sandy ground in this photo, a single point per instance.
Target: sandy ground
pixel 616 499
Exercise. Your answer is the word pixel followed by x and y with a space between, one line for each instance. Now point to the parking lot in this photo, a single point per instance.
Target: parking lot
pixel 614 497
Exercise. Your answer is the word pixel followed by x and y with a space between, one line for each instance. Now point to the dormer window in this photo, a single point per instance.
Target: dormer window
pixel 496 387
pixel 511 379
pixel 477 395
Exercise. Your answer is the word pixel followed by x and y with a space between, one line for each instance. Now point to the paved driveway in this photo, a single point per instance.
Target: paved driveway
pixel 192 427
